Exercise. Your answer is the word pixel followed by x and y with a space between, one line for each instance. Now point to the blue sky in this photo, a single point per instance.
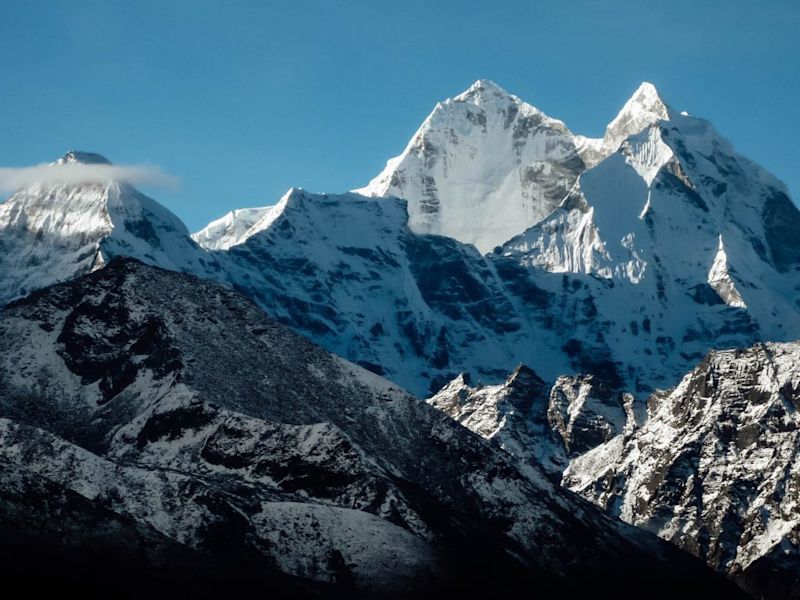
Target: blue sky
pixel 242 100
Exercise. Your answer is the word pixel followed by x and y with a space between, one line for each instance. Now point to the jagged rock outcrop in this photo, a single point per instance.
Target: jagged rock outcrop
pixel 513 415
pixel 585 412
pixel 540 424
pixel 715 468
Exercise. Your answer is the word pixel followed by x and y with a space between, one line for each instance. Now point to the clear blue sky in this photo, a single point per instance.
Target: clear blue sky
pixel 242 100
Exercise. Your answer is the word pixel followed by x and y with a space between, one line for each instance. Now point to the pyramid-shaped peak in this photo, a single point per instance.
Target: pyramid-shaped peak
pixel 85 158
pixel 647 96
pixel 646 89
pixel 643 109
pixel 487 85
pixel 483 90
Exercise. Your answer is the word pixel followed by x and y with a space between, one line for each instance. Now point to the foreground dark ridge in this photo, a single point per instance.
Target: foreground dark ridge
pixel 174 412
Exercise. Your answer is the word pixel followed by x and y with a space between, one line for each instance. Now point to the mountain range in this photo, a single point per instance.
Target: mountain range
pixel 558 296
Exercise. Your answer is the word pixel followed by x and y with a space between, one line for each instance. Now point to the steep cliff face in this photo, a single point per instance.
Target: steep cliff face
pixel 512 415
pixel 347 272
pixel 715 468
pixel 585 412
pixel 679 226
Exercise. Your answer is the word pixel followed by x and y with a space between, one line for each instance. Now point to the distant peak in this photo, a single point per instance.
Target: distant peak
pixel 486 85
pixel 646 95
pixel 647 100
pixel 643 109
pixel 85 158
pixel 646 88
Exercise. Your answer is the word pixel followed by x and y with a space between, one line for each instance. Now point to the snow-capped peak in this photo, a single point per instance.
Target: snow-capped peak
pixel 646 100
pixel 78 215
pixel 647 94
pixel 644 108
pixel 484 90
pixel 483 167
pixel 85 158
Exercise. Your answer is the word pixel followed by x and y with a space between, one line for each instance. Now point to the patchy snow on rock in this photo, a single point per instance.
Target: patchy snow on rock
pixel 715 468
pixel 178 405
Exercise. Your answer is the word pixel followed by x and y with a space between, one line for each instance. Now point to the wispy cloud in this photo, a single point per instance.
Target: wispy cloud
pixel 13 178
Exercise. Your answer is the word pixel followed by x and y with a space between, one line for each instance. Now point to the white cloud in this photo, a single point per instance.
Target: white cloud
pixel 13 178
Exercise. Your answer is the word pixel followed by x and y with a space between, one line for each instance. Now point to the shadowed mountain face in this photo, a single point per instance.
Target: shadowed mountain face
pixel 175 412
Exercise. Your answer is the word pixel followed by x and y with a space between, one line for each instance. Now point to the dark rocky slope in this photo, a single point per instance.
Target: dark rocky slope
pixel 176 412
